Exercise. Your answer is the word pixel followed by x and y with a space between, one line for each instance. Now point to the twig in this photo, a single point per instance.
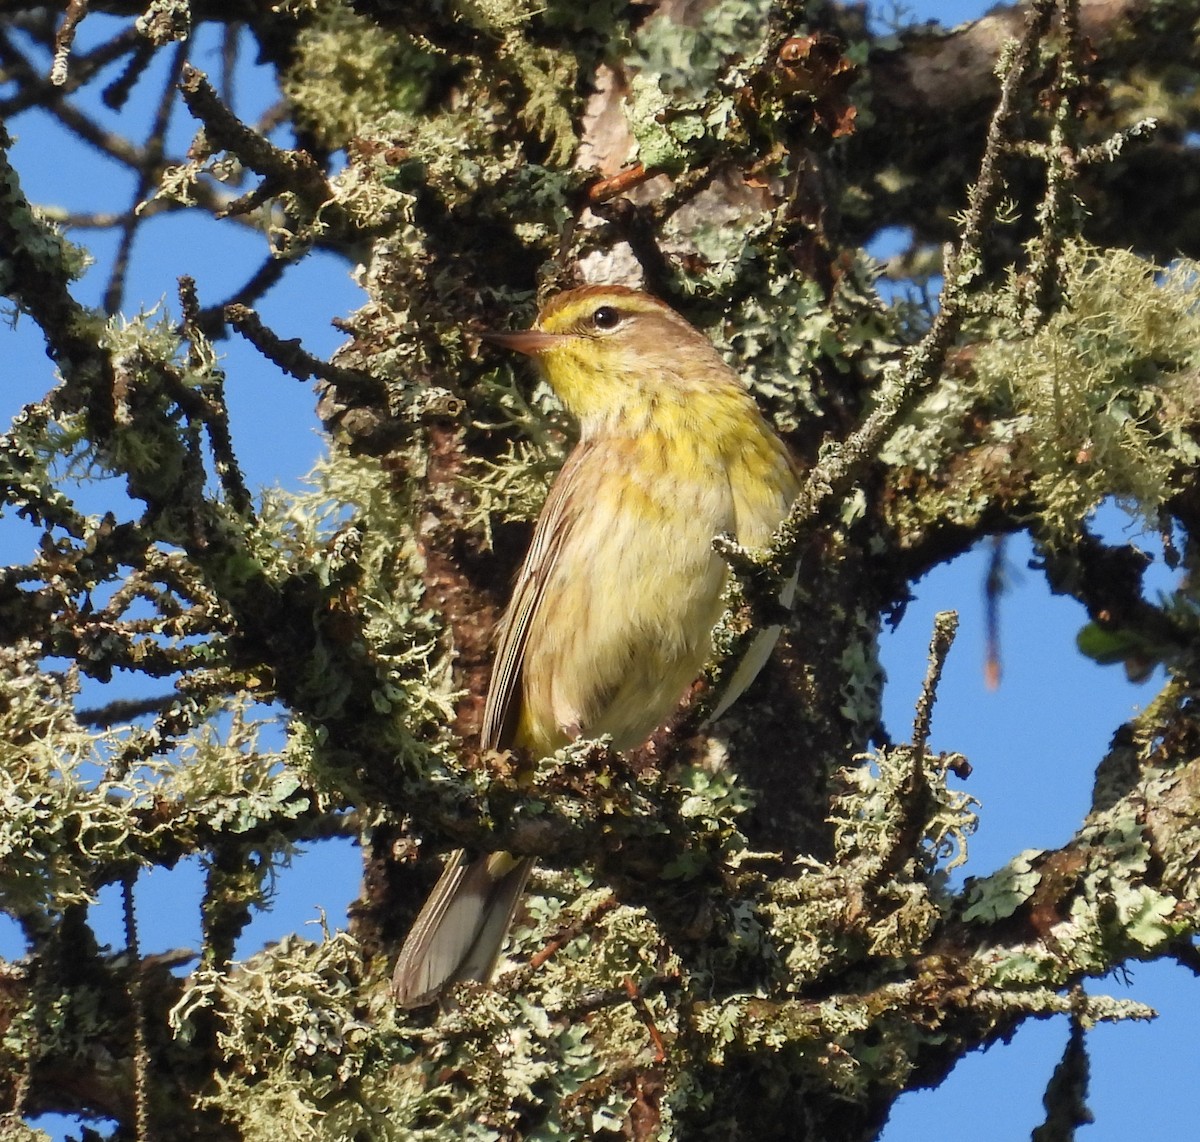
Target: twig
pixel 147 176
pixel 116 93
pixel 913 809
pixel 123 710
pixel 605 188
pixel 141 1052
pixel 1061 161
pixel 291 357
pixel 635 224
pixel 212 317
pixel 35 90
pixel 565 935
pixel 22 1082
pixel 216 412
pixel 224 908
pixel 250 201
pixel 84 67
pixel 945 627
pixel 196 694
pixel 291 170
pixel 65 37
pixel 643 1010
pixel 152 208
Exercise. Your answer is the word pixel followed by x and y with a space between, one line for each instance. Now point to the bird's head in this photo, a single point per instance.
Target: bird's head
pixel 605 350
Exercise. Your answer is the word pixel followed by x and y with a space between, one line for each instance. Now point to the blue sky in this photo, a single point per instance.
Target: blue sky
pixel 1033 742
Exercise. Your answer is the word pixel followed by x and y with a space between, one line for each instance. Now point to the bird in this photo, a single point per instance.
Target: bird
pixel 612 610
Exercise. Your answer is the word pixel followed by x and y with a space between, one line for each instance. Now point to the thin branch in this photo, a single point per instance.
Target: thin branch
pixel 147 177
pixel 212 317
pixel 1065 1099
pixel 647 1018
pixel 571 932
pixel 116 94
pixel 292 170
pixel 84 67
pixel 620 183
pixel 837 469
pixel 123 710
pixel 1062 166
pixel 207 200
pixel 945 626
pixel 216 412
pixel 35 90
pixel 290 356
pixel 76 10
pixel 141 1050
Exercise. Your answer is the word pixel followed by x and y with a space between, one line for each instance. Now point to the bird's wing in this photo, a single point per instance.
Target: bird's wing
pixel 462 927
pixel 502 710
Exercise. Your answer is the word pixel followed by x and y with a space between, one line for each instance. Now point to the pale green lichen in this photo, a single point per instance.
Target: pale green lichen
pixel 866 817
pixel 1106 384
pixel 690 56
pixel 38 454
pixel 374 71
pixel 511 487
pixel 313 1047
pixel 59 821
pixel 408 641
pixel 1099 400
pixel 685 71
pixel 1112 909
pixel 817 920
pixel 69 812
pixel 783 330
pixel 1143 918
pixel 1002 893
pixel 305 1058
pixel 383 76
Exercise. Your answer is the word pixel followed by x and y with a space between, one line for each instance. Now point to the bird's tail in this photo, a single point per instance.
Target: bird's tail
pixel 461 928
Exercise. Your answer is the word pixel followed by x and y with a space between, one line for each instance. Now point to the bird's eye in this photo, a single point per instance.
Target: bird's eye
pixel 606 317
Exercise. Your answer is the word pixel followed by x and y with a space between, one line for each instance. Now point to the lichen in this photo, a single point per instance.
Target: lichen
pixel 373 72
pixel 304 1057
pixel 59 818
pixel 1098 400
pixel 351 511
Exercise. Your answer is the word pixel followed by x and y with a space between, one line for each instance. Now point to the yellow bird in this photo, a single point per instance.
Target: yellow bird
pixel 612 612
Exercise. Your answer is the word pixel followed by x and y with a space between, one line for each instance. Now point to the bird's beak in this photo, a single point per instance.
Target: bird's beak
pixel 531 342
